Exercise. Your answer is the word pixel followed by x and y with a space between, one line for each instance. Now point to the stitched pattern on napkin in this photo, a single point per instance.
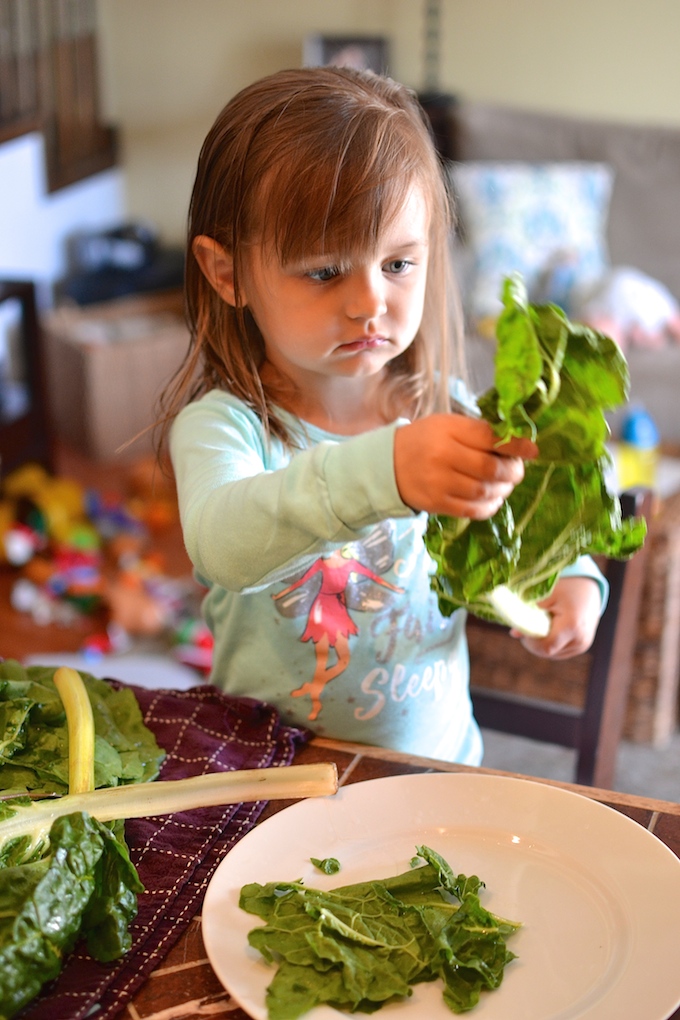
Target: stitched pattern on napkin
pixel 202 730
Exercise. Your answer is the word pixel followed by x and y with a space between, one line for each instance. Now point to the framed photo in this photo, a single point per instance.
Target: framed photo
pixel 363 52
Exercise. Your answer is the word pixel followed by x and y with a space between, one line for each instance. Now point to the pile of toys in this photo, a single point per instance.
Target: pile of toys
pixel 78 552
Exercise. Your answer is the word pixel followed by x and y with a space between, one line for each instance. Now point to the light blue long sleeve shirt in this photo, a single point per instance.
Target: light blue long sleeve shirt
pixel 318 582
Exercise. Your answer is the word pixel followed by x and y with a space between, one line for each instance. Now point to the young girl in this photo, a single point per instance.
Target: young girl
pixel 315 432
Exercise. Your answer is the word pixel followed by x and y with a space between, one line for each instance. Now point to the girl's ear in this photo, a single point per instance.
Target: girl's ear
pixel 217 265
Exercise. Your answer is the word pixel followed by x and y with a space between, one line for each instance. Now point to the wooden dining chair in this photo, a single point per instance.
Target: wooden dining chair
pixel 594 728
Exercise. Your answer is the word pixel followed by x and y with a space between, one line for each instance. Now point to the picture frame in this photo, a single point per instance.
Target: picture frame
pixel 360 51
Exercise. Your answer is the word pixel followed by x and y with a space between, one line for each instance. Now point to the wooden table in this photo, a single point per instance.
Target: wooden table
pixel 185 986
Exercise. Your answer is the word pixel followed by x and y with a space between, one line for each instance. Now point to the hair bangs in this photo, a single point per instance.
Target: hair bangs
pixel 361 177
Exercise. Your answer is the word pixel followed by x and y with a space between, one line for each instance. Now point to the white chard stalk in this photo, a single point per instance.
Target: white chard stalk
pixel 526 617
pixel 162 797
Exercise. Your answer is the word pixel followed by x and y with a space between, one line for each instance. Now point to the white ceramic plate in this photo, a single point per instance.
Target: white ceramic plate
pixel 598 895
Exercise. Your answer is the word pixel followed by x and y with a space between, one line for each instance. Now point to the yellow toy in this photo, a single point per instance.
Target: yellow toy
pixel 50 508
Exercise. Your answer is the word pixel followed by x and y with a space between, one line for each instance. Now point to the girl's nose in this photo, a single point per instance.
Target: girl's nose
pixel 365 296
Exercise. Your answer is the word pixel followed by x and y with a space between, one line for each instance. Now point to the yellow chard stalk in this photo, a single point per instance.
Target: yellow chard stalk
pixel 80 726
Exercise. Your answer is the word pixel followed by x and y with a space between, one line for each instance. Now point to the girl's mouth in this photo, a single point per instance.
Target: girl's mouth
pixel 364 343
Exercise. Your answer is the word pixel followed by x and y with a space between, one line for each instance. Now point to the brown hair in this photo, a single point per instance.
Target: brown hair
pixel 310 159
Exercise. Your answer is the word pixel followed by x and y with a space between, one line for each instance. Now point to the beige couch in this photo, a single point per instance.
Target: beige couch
pixel 644 214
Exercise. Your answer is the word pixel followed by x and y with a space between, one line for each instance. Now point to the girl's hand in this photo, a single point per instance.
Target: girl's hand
pixel 451 464
pixel 574 605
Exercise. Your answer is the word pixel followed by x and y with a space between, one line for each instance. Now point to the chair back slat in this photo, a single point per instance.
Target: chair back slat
pixel 612 658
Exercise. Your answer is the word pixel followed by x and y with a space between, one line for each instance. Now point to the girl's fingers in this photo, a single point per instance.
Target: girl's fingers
pixel 490 468
pixel 451 464
pixel 475 432
pixel 477 510
pixel 574 605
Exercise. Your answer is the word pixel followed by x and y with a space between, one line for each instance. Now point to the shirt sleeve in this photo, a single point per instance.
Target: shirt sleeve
pixel 585 566
pixel 247 525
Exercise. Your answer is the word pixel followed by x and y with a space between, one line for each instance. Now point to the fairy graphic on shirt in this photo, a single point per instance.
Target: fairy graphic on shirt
pixel 348 578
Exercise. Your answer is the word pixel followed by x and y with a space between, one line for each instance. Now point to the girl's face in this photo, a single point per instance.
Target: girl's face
pixel 322 319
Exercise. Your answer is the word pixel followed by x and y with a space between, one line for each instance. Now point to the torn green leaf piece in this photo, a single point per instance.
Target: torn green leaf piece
pixel 329 865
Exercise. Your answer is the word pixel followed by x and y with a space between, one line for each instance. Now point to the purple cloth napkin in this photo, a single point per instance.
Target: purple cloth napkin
pixel 202 730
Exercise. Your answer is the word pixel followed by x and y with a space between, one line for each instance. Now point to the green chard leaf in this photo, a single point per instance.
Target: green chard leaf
pixel 34 748
pixel 67 877
pixel 360 946
pixel 554 382
pixel 86 884
pixel 113 904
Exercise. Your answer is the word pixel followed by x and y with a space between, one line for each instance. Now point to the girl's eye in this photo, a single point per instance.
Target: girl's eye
pixel 323 274
pixel 398 266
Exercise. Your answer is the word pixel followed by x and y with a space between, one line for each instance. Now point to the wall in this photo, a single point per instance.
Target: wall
pixel 34 223
pixel 615 59
pixel 170 65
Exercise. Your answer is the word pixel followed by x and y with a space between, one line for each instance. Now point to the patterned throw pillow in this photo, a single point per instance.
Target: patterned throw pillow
pixel 546 221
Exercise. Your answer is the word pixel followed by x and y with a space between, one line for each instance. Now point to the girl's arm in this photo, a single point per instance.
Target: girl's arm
pixel 249 516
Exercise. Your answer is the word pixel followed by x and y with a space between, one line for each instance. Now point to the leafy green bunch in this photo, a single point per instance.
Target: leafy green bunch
pixel 85 885
pixel 64 873
pixel 71 876
pixel 554 381
pixel 34 738
pixel 361 946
